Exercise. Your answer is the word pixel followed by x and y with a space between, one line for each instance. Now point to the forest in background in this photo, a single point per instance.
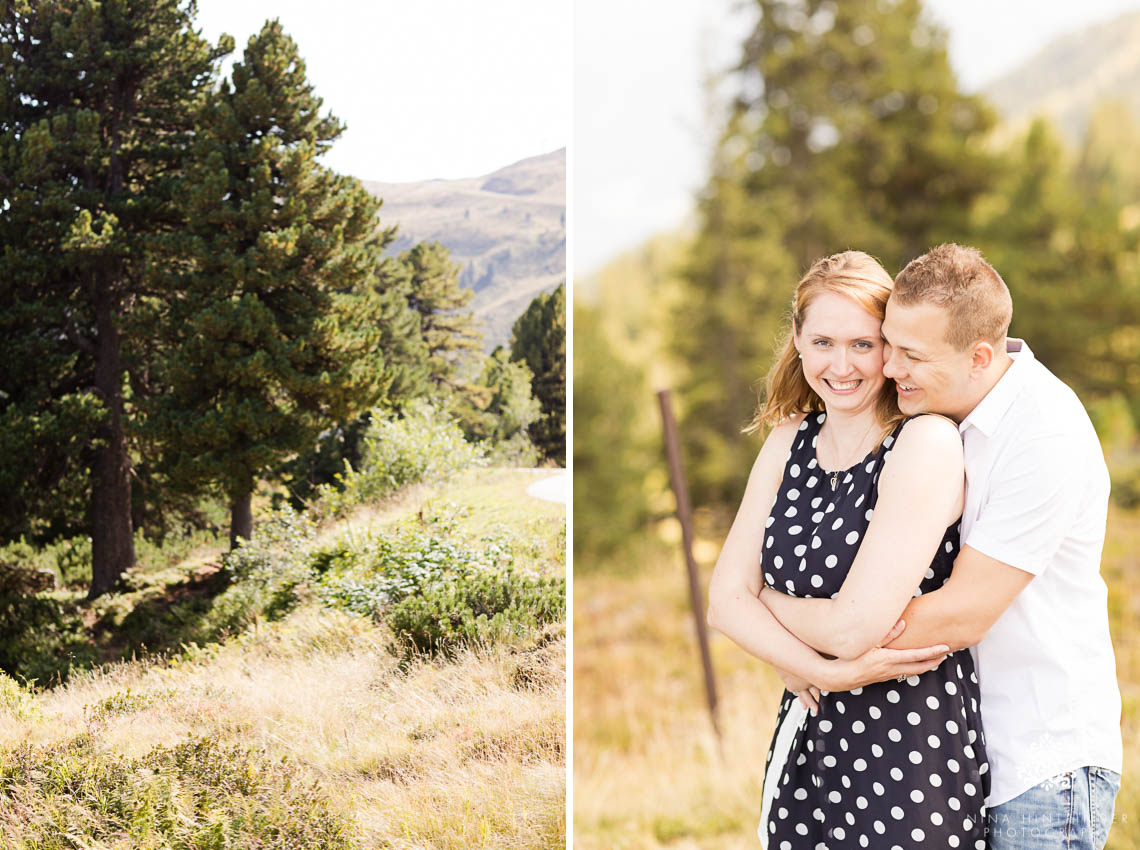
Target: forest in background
pixel 846 129
pixel 194 309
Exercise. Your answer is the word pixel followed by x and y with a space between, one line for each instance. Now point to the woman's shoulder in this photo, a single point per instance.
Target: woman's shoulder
pixel 928 433
pixel 779 441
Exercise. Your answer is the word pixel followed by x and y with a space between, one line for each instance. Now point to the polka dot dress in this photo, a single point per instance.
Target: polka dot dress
pixel 890 765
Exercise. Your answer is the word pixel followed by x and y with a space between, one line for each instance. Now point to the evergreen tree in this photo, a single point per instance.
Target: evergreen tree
pixel 273 313
pixel 539 340
pixel 847 131
pixel 97 109
pixel 447 330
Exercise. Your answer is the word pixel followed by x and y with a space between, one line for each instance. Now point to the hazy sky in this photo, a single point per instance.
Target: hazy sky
pixel 428 88
pixel 642 123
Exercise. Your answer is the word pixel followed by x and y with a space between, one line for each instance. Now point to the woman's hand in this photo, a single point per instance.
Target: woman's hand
pixel 882 665
pixel 805 691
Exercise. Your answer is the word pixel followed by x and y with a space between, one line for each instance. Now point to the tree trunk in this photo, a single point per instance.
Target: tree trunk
pixel 112 537
pixel 241 518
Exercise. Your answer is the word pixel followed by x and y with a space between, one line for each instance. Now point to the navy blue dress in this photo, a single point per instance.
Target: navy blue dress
pixel 894 764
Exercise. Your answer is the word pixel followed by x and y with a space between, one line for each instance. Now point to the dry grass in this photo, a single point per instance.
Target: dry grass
pixel 460 754
pixel 647 769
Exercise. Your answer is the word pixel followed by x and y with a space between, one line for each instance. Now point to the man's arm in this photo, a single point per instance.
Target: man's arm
pixel 960 612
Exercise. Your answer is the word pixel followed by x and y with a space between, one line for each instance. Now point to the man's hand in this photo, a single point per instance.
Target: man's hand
pixel 881 665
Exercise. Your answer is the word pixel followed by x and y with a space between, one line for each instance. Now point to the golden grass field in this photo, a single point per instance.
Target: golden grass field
pixel 648 771
pixel 447 755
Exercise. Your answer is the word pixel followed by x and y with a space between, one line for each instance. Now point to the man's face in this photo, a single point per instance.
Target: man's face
pixel 931 375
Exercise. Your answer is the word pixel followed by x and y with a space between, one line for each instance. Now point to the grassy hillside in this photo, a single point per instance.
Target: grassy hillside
pixel 648 770
pixel 313 726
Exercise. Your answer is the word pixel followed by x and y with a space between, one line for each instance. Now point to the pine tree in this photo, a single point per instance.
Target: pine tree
pixel 539 340
pixel 274 313
pixel 97 109
pixel 847 131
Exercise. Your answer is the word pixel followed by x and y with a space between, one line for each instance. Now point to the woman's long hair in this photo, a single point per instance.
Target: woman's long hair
pixel 857 276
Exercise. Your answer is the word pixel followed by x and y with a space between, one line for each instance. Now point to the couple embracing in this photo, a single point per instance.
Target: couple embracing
pixel 918 553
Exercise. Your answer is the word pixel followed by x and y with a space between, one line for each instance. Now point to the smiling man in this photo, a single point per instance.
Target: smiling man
pixel 1026 591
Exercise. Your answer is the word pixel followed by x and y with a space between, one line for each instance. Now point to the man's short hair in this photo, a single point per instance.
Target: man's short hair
pixel 959 280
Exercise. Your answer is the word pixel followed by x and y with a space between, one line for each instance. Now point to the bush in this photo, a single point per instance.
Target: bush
pixel 475 609
pixel 422 446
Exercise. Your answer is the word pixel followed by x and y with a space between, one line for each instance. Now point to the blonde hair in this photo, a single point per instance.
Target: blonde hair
pixel 854 275
pixel 959 280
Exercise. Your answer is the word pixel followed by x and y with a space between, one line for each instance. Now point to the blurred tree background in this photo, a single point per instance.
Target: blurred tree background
pixel 845 128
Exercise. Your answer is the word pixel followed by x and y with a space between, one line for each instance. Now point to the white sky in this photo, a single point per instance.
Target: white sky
pixel 428 88
pixel 642 123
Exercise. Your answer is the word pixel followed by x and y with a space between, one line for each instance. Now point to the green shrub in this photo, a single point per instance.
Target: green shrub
pixel 423 445
pixel 198 794
pixel 16 698
pixel 475 609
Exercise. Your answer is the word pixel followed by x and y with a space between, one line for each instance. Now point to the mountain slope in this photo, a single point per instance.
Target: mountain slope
pixel 1071 75
pixel 506 229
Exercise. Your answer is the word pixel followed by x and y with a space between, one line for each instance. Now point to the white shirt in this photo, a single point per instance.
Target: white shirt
pixel 1037 499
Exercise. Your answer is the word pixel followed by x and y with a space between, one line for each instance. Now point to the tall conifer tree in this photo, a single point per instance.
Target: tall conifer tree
pixel 276 322
pixel 539 340
pixel 97 109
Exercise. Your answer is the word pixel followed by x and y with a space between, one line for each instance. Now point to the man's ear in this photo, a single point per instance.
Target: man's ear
pixel 981 357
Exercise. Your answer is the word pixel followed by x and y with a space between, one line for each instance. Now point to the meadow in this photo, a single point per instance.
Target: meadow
pixel 649 772
pixel 317 722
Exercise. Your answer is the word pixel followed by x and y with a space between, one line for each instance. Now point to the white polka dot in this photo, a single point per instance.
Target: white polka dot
pixel 803 426
pixel 843 744
pixel 817 516
pixel 929 574
pixel 953 765
pixel 859 501
pixel 936 780
pixel 870 466
pixel 969 788
pixel 790 585
pixel 951 688
pixel 894 735
pixel 801 794
pixel 815 502
pixel 782 813
pixel 839 833
pixel 874 711
pixel 876 751
pixel 934 742
pixel 917 834
pixel 771 519
pixel 856 691
pixel 857 727
pixel 811 482
pixel 897 812
pixel 768 578
pixel 913 718
pixel 835 796
pixel 838 522
pixel 936 818
pixel 830 561
pixel 829 761
pixel 803 564
pixel 972 736
pixel 768 543
pixel 860 765
pixel 968 751
pixel 953 803
pixel 846 780
pixel 793 494
pixel 983 768
pixel 794 470
pixel 790 512
pixel 799 550
pixel 840 707
pixel 771 826
pixel 852 537
pixel 785 845
pixel 953 841
pixel 932 702
pixel 879 827
pixel 816 581
pixel 949 546
pixel 912 681
pixel 917 796
pixel 915 757
pixel 968 823
pixel 825 726
pixel 863 842
pixel 816 542
pixel 896 774
pixel 801 829
pixel 892 695
pixel 870 513
pixel 777 562
pixel 878 789
pixel 861 802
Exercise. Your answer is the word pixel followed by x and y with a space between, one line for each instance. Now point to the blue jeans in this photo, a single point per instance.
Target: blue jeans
pixel 1072 811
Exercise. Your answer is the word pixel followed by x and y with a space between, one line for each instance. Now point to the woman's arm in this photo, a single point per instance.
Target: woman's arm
pixel 920 494
pixel 735 608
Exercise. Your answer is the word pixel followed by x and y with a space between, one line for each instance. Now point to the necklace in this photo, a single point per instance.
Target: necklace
pixel 834 475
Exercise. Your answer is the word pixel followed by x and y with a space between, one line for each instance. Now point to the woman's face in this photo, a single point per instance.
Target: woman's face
pixel 842 350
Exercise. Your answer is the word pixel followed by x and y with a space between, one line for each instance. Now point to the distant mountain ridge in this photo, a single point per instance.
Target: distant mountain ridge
pixel 1066 79
pixel 507 229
